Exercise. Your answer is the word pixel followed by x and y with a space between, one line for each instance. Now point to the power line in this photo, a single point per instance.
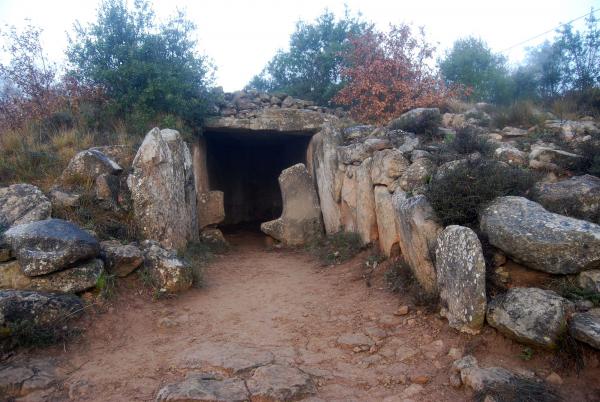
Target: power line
pixel 548 31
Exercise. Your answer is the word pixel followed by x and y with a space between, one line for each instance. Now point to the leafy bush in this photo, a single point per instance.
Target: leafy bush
pixel 388 74
pixel 311 68
pixel 147 70
pixel 465 189
pixel 336 248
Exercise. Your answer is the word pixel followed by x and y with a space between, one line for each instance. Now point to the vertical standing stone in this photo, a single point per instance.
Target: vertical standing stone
pixel 366 220
pixel 163 190
pixel 461 278
pixel 386 221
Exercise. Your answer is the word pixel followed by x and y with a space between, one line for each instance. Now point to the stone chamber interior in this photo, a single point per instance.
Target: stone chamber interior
pixel 246 166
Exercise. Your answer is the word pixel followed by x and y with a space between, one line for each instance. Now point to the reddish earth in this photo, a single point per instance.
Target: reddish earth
pixel 285 302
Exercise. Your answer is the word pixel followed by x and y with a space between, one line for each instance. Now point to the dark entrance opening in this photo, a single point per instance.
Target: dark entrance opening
pixel 245 166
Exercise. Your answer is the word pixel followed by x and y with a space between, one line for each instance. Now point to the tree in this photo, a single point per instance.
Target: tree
pixel 311 68
pixel 472 64
pixel 388 74
pixel 582 55
pixel 147 70
pixel 545 64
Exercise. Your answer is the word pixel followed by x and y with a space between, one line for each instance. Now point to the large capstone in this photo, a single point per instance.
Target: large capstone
pixel 529 315
pixel 418 229
pixel 70 280
pixel 300 220
pixel 22 203
pixel 578 197
pixel 282 120
pixel 50 245
pixel 540 239
pixel 163 190
pixel 461 278
pixel 36 309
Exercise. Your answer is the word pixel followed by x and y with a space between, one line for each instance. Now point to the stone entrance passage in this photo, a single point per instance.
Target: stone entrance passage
pixel 245 166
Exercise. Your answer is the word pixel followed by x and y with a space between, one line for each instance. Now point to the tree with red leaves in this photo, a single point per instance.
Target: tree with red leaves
pixel 389 74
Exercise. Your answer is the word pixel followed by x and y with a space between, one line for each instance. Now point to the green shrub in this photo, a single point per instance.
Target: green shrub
pixel 336 248
pixel 467 141
pixel 464 190
pixel 106 285
pixel 519 114
pixel 590 152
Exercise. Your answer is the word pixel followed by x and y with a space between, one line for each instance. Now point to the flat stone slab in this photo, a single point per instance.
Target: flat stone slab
pixel 227 358
pixel 277 382
pixel 203 387
pixel 19 379
pixel 278 120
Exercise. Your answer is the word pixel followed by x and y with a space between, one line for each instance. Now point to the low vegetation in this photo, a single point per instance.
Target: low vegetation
pixel 336 248
pixel 400 279
pixel 469 185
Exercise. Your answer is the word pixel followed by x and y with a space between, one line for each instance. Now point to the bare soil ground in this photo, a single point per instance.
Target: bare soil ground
pixel 283 301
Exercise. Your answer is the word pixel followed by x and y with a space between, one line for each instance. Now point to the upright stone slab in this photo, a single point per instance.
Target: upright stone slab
pixel 325 164
pixel 386 220
pixel 460 268
pixel 300 220
pixel 366 220
pixel 418 229
pixel 540 239
pixel 163 190
pixel 211 208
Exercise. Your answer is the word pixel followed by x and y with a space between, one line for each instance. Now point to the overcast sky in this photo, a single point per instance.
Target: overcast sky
pixel 241 36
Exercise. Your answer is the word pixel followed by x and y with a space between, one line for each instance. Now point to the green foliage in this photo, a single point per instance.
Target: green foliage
pixel 311 68
pixel 526 353
pixel 336 248
pixel 106 285
pixel 472 64
pixel 568 288
pixel 146 69
pixel 465 189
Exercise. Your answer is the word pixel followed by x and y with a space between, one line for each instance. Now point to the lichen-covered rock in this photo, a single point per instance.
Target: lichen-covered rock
pixel 64 199
pixel 460 269
pixel 513 132
pixel 540 239
pixel 578 197
pixel 386 220
pixel 213 237
pixel 122 154
pixel 417 121
pixel 163 190
pixel 529 315
pixel 418 229
pixel 168 272
pixel 23 378
pixel 354 154
pixel 277 382
pixel 107 188
pixel 50 245
pixel 70 280
pixel 552 159
pixel 388 165
pixel 417 175
pixel 325 174
pixel 211 208
pixel 589 280
pixel 88 165
pixel 511 155
pixel 204 387
pixel 281 120
pixel 225 358
pixel 120 259
pixel 366 219
pixel 22 203
pixel 300 220
pixel 38 309
pixel 585 327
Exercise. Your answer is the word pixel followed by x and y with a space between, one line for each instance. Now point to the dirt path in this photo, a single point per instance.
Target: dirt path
pixel 283 302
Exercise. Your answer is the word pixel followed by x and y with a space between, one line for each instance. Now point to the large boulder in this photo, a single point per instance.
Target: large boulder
pixel 540 239
pixel 163 190
pixel 87 165
pixel 71 280
pixel 418 229
pixel 37 309
pixel 589 280
pixel 578 197
pixel 530 315
pixel 325 174
pixel 120 259
pixel 460 270
pixel 585 327
pixel 50 245
pixel 211 208
pixel 417 175
pixel 167 272
pixel 386 220
pixel 420 120
pixel 300 220
pixel 22 203
pixel 388 165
